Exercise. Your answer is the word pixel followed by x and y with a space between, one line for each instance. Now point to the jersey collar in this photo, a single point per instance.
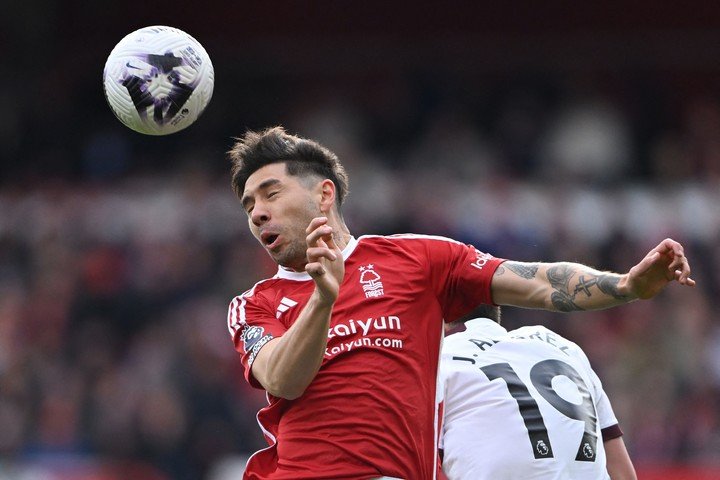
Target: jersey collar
pixel 288 274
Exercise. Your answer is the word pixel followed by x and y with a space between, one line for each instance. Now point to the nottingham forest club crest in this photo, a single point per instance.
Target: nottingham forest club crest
pixel 371 282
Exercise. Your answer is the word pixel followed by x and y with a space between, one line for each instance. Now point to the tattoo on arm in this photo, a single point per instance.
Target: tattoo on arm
pixel 563 298
pixel 559 278
pixel 564 302
pixel 608 285
pixel 524 270
pixel 584 285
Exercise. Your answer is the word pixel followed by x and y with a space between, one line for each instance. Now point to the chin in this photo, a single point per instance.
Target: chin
pixel 281 259
pixel 291 263
pixel 292 255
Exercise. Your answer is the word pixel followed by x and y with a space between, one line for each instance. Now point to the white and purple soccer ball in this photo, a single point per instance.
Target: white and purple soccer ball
pixel 158 80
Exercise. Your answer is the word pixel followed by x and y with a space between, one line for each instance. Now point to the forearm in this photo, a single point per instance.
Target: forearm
pixel 572 286
pixel 561 286
pixel 294 360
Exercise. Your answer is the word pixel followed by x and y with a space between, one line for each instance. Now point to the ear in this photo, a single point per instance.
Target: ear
pixel 327 195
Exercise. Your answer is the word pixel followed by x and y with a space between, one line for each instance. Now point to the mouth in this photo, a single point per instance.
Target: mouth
pixel 269 239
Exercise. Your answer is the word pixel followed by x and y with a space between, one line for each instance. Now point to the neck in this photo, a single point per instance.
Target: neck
pixel 342 239
pixel 341 234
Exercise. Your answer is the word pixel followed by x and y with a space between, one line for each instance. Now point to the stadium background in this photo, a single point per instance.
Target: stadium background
pixel 583 132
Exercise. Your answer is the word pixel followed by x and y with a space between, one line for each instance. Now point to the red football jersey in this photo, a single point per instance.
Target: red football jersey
pixel 372 408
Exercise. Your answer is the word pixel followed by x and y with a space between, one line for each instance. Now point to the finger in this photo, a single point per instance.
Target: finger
pixel 675 247
pixel 667 246
pixel 647 262
pixel 315 223
pixel 314 254
pixel 684 279
pixel 678 263
pixel 315 269
pixel 681 265
pixel 331 243
pixel 321 234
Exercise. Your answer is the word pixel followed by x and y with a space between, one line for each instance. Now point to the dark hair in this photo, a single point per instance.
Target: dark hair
pixel 485 311
pixel 302 158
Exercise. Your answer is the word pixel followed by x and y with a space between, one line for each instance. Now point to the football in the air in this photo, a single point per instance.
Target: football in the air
pixel 158 80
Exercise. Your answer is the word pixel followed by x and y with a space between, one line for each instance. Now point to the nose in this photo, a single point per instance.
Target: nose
pixel 259 215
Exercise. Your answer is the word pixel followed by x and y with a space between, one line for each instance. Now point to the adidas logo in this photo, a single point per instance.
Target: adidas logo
pixel 285 305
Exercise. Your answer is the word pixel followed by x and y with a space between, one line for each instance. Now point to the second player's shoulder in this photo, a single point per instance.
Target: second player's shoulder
pixel 451 341
pixel 476 330
pixel 548 336
pixel 536 331
pixel 454 343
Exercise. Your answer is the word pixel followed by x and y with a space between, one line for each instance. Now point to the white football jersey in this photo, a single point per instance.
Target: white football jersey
pixel 521 404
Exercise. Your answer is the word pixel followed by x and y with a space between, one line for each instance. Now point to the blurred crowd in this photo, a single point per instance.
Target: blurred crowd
pixel 119 254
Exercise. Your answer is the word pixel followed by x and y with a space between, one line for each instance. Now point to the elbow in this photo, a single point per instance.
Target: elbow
pixel 292 395
pixel 285 389
pixel 286 393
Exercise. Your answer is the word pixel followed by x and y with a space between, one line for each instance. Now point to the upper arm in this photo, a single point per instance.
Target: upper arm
pixel 619 465
pixel 259 367
pixel 253 326
pixel 519 284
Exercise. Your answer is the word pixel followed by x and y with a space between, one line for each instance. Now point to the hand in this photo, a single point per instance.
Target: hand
pixel 662 265
pixel 325 261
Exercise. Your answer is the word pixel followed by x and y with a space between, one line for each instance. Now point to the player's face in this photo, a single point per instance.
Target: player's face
pixel 279 208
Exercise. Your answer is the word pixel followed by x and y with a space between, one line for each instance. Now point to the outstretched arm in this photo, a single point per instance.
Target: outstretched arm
pixel 568 286
pixel 285 366
pixel 619 465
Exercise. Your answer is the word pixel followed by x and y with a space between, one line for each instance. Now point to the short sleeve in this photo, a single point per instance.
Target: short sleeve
pixel 606 415
pixel 462 276
pixel 252 325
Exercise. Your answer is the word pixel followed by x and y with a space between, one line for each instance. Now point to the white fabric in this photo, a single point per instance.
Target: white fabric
pixel 484 434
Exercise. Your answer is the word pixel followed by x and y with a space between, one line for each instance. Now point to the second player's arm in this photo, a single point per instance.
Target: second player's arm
pixel 619 464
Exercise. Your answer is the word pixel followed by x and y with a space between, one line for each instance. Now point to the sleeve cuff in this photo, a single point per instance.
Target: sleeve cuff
pixel 613 431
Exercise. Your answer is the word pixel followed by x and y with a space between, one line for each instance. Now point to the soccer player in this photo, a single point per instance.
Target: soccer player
pixel 345 338
pixel 524 404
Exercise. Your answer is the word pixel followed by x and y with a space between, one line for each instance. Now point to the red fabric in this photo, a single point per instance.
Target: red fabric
pixel 371 409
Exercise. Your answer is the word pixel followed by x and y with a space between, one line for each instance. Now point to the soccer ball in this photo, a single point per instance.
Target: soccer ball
pixel 158 80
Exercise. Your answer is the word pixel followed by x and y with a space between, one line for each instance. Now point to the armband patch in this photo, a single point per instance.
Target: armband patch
pixel 250 336
pixel 257 346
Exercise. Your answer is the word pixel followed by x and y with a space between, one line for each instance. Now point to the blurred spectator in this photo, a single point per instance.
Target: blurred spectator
pixel 119 253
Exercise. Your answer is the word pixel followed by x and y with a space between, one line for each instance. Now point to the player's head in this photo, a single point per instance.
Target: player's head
pixel 284 182
pixel 481 311
pixel 303 158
